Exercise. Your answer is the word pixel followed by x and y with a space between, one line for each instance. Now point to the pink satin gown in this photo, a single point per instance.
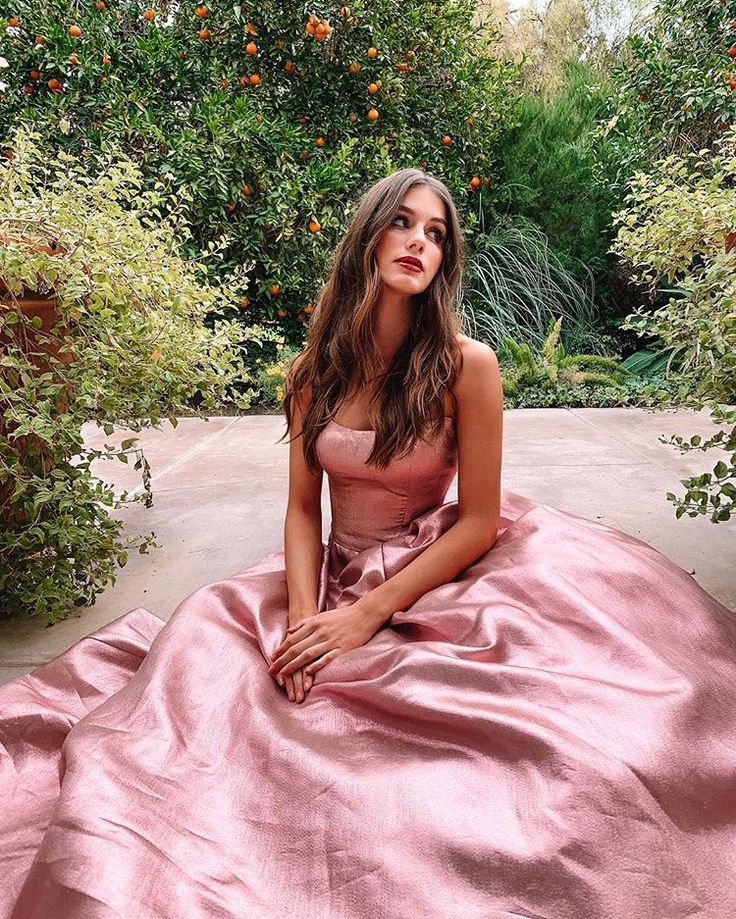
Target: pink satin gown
pixel 550 734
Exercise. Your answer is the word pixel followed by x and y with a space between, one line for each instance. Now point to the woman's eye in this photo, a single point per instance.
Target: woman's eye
pixel 439 234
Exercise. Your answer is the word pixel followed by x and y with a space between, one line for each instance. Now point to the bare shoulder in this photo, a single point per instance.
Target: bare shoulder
pixel 478 366
pixel 477 358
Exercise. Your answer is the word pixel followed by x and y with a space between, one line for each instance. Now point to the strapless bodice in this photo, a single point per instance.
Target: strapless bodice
pixel 370 505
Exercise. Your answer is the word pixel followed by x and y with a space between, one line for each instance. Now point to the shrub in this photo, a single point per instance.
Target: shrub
pixel 676 226
pixel 129 348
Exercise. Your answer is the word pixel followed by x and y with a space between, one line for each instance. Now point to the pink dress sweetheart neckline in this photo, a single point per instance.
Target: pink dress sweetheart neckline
pixel 370 430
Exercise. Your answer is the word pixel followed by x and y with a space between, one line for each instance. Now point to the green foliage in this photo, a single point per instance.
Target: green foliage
pixel 676 214
pixel 521 368
pixel 656 392
pixel 548 168
pixel 516 284
pixel 130 347
pixel 271 378
pixel 673 87
pixel 300 140
pixel 674 228
pixel 715 491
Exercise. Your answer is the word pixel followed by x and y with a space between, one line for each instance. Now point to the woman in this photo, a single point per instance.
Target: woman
pixel 389 357
pixel 512 711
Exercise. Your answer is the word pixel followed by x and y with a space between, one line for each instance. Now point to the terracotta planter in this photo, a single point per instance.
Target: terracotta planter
pixel 20 335
pixel 32 304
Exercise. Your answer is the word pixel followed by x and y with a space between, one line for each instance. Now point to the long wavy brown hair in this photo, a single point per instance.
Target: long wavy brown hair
pixel 340 356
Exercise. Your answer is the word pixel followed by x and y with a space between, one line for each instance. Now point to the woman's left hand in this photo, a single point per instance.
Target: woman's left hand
pixel 321 638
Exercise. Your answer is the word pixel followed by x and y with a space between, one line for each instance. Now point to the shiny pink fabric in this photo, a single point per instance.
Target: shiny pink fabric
pixel 551 734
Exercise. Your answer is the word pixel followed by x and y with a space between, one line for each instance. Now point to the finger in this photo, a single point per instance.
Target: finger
pixel 291 631
pixel 291 654
pixel 306 657
pixel 290 639
pixel 318 664
pixel 289 683
pixel 299 685
pixel 280 662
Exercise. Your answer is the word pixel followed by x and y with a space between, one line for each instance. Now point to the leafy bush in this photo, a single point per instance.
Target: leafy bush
pixel 676 227
pixel 129 348
pixel 674 88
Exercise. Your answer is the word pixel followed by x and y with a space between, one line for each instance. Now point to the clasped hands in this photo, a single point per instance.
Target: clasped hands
pixel 312 643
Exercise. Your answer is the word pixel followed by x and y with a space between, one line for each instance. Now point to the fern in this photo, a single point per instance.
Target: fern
pixel 552 367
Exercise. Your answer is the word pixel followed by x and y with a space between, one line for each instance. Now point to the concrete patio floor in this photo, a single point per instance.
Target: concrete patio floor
pixel 220 489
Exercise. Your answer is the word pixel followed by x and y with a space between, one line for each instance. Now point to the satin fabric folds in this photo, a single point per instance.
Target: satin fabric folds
pixel 550 735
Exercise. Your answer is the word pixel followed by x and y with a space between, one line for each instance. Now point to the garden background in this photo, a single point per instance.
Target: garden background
pixel 175 179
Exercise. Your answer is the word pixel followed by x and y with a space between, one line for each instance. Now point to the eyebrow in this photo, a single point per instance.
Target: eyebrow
pixel 404 207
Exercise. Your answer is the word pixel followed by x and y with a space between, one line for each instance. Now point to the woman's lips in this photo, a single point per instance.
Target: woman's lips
pixel 409 266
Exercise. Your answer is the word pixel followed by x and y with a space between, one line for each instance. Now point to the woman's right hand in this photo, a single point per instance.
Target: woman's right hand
pixel 299 683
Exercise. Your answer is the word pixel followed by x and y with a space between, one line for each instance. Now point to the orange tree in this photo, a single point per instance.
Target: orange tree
pixel 273 116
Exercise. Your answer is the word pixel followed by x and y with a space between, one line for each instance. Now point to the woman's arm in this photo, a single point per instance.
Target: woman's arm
pixel 302 525
pixel 302 560
pixel 479 426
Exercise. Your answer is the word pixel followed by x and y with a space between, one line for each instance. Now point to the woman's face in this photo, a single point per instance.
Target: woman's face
pixel 417 230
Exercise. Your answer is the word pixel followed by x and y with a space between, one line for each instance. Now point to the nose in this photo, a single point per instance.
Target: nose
pixel 417 238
